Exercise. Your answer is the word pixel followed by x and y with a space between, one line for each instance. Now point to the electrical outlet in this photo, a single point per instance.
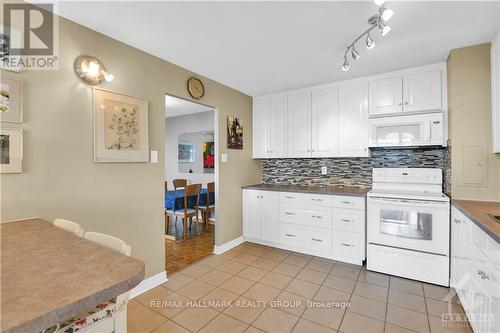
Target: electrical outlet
pixel 324 170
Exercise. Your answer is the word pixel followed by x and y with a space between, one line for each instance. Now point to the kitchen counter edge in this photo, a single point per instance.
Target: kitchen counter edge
pixel 326 190
pixel 456 203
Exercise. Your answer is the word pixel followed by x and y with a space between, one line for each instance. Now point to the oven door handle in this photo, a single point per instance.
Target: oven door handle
pixel 406 202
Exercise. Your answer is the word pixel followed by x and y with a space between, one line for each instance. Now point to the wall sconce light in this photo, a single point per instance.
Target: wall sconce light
pixel 91 70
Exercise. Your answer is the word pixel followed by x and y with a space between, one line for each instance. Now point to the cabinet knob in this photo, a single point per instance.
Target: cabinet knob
pixel 457 221
pixel 399 103
pixel 406 103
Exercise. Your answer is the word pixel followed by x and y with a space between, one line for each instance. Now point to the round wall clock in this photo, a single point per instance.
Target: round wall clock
pixel 195 88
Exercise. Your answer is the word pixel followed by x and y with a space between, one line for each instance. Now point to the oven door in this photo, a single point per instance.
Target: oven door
pixel 409 224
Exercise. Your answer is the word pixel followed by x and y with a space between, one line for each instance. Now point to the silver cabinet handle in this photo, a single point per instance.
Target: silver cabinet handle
pixel 289 235
pixel 457 221
pixel 289 197
pixel 317 217
pixel 345 244
pixel 346 220
pixel 288 213
pixel 313 199
pixel 317 240
pixel 347 202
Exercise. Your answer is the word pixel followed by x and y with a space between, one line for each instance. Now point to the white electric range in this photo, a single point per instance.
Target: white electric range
pixel 408 224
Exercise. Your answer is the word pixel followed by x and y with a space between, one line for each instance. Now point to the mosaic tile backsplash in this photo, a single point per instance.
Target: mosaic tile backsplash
pixel 354 172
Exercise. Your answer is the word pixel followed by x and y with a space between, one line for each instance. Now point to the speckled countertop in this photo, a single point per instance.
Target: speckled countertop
pixel 49 275
pixel 478 212
pixel 351 191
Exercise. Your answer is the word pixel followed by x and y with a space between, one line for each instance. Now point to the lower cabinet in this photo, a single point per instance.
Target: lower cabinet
pixel 475 273
pixel 327 226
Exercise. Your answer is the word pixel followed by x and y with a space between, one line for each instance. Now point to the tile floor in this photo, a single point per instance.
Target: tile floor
pixel 253 288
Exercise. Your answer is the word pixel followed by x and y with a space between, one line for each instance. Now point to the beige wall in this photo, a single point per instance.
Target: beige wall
pixel 475 169
pixel 121 199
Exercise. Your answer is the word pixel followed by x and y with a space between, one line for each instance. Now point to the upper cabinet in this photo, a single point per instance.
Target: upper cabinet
pixel 495 92
pixel 324 120
pixel 299 125
pixel 386 96
pixel 269 127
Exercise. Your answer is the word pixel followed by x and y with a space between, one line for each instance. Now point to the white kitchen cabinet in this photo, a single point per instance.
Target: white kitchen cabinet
pixel 386 96
pixel 269 127
pixel 260 215
pixel 260 116
pixel 353 120
pixel 422 91
pixel 299 125
pixel 277 128
pixel 495 92
pixel 324 115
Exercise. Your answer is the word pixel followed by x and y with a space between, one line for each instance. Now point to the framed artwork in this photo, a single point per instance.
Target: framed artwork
pixel 186 152
pixel 234 133
pixel 120 127
pixel 11 99
pixel 11 150
pixel 8 61
pixel 208 155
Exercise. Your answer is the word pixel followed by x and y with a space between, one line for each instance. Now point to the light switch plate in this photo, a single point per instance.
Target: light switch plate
pixel 223 157
pixel 324 170
pixel 154 156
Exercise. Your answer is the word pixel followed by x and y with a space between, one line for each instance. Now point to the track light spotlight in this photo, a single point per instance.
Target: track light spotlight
pixel 383 28
pixel 379 2
pixel 355 54
pixel 385 13
pixel 345 66
pixel 370 43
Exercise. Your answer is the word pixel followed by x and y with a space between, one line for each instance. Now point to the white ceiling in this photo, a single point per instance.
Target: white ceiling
pixel 264 47
pixel 179 107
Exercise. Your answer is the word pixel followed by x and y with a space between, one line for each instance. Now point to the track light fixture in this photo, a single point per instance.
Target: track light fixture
pixel 375 21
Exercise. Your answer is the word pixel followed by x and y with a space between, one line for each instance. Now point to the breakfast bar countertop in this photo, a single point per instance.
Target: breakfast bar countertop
pixel 49 275
pixel 330 190
pixel 478 212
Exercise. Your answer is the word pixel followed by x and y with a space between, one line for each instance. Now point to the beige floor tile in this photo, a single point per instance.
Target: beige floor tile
pixel 261 292
pixel 245 309
pixel 252 329
pixel 252 273
pixel 437 326
pixel 321 265
pixel 437 308
pixel 196 289
pixel 275 280
pixel 277 254
pixel 389 328
pixel 171 305
pixel 264 263
pixel 331 295
pixel 224 324
pixel 232 267
pixel 237 285
pixel 229 255
pixel 291 303
pixel 436 292
pixel 312 276
pixel 410 319
pixel 345 271
pixel 302 288
pixel 245 258
pixel 142 319
pixel 197 270
pixel 297 259
pixel 378 279
pixel 340 283
pixel 219 299
pixel 154 295
pixel 407 301
pixel 215 277
pixel 306 326
pixel 177 281
pixel 368 307
pixel 242 247
pixel 213 261
pixel 407 286
pixel 329 317
pixel 257 251
pixel 287 269
pixel 371 291
pixel 356 323
pixel 194 318
pixel 170 327
pixel 275 321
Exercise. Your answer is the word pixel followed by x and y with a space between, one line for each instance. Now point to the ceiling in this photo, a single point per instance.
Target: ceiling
pixel 179 107
pixel 265 47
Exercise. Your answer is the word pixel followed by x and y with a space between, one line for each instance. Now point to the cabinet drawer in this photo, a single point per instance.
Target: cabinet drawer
pixel 348 246
pixel 351 220
pixel 311 216
pixel 291 197
pixel 349 202
pixel 309 239
pixel 318 199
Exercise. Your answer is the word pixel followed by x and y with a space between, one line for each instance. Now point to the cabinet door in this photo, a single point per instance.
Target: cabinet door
pixel 299 125
pixel 353 120
pixel 422 92
pixel 260 114
pixel 457 236
pixel 269 221
pixel 495 92
pixel 324 115
pixel 277 127
pixel 386 96
pixel 252 202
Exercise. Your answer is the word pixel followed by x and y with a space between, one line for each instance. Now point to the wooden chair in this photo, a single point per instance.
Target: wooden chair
pixel 209 207
pixel 180 183
pixel 187 213
pixel 166 186
pixel 70 226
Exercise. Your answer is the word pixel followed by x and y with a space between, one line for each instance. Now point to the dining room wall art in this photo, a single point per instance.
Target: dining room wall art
pixel 208 155
pixel 120 127
pixel 234 133
pixel 11 99
pixel 11 150
pixel 186 152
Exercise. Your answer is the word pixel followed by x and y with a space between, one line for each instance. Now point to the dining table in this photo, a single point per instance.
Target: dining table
pixel 49 275
pixel 174 200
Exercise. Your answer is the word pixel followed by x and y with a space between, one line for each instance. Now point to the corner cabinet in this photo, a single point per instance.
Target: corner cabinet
pixel 495 92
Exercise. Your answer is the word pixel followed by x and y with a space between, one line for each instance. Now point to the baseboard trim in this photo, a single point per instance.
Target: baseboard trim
pixel 148 284
pixel 228 246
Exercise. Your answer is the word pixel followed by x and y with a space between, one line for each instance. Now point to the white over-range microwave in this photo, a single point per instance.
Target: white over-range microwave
pixel 411 130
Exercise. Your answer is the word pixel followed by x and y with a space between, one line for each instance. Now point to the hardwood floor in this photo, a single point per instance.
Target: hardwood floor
pixel 182 253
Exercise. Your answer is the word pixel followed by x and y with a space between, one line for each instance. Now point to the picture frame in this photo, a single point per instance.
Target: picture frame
pixel 234 133
pixel 186 152
pixel 11 150
pixel 6 42
pixel 120 127
pixel 11 99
